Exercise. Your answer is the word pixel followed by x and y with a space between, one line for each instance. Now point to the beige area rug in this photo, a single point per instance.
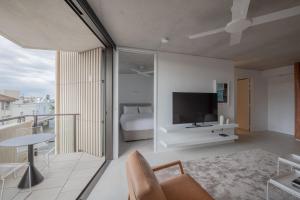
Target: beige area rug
pixel 239 176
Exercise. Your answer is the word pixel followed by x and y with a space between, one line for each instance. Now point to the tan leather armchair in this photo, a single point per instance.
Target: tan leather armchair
pixel 143 185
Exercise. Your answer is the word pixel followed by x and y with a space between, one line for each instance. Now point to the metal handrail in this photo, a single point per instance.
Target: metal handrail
pixel 12 118
pixel 39 115
pixel 35 121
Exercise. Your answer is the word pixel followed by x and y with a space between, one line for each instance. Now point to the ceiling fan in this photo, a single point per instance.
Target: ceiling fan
pixel 240 22
pixel 141 71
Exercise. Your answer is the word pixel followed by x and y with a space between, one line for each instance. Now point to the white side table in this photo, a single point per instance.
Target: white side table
pixel 293 160
pixel 284 182
pixel 29 141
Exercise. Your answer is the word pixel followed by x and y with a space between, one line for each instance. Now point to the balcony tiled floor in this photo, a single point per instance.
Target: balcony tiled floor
pixel 67 175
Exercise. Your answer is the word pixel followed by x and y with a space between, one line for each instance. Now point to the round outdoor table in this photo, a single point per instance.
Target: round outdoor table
pixel 29 140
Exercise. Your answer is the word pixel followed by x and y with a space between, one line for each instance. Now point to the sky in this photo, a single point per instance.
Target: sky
pixel 30 71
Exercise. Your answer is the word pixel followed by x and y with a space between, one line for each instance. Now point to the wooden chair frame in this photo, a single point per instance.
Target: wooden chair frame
pixel 167 165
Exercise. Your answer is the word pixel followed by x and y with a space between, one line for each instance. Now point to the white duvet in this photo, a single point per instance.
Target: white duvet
pixel 137 122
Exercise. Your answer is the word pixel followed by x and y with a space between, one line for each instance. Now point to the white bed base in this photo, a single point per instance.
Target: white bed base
pixel 137 135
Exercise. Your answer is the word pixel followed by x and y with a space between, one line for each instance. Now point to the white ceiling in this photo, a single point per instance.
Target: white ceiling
pixel 128 60
pixel 142 23
pixel 45 24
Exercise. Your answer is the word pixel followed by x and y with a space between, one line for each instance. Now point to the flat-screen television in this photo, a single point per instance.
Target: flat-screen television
pixel 194 107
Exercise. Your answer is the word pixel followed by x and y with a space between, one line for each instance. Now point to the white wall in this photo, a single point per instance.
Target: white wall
pixel 258 101
pixel 272 99
pixel 184 73
pixel 281 100
pixel 135 88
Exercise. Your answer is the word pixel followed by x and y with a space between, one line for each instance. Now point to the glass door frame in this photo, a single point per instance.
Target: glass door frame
pixel 87 15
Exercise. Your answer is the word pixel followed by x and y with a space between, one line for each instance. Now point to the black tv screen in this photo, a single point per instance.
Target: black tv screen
pixel 194 107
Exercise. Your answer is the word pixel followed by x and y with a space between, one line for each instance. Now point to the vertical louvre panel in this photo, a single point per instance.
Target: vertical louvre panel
pixel 79 84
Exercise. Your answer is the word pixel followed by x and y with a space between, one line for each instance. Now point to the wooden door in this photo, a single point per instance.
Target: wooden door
pixel 243 104
pixel 297 100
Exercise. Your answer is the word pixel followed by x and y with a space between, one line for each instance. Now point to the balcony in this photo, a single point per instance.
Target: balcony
pixel 83 84
pixel 65 163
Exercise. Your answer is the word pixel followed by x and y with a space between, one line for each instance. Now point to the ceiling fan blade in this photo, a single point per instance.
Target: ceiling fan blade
pixel 135 70
pixel 282 14
pixel 140 72
pixel 149 72
pixel 235 38
pixel 203 34
pixel 239 9
pixel 144 74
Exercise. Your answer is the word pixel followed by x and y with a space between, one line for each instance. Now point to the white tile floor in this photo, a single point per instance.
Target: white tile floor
pixel 66 177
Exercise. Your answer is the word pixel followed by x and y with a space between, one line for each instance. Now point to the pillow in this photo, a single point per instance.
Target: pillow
pixel 130 110
pixel 145 109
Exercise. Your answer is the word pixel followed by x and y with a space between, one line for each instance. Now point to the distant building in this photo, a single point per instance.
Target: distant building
pixel 5 105
pixel 33 106
pixel 11 93
pixel 12 104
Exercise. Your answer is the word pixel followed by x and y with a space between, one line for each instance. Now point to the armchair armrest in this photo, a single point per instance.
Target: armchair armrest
pixel 167 165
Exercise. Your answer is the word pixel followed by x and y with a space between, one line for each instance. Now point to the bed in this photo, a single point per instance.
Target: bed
pixel 137 122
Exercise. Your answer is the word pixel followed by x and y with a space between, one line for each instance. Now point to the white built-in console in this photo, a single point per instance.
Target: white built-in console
pixel 182 135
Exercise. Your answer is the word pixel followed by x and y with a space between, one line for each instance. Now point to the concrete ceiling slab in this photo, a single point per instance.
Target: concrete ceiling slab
pixel 142 24
pixel 129 60
pixel 45 24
